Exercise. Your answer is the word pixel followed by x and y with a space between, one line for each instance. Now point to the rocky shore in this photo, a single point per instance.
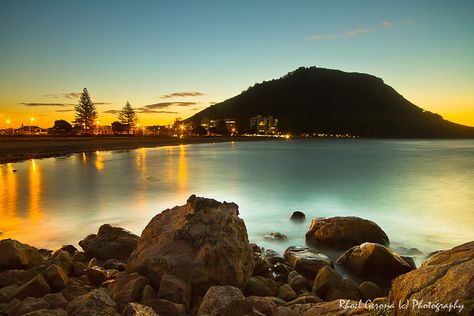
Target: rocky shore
pixel 196 259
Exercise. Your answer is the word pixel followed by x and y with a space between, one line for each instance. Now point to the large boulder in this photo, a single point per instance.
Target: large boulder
pixel 223 300
pixel 204 242
pixel 306 261
pixel 447 277
pixel 55 277
pixel 374 262
pixel 344 232
pixel 37 287
pixel 16 255
pixel 110 243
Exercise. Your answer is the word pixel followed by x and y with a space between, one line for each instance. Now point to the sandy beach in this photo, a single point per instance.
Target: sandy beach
pixel 14 149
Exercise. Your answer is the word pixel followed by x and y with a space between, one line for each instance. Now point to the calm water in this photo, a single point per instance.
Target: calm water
pixel 420 192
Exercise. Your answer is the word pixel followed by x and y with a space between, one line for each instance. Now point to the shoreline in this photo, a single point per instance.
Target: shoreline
pixel 18 149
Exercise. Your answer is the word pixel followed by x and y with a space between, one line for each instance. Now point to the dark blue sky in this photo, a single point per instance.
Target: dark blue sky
pixel 141 50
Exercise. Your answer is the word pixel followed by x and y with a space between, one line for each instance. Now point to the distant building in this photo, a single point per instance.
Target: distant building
pixel 264 124
pixel 220 126
pixel 31 130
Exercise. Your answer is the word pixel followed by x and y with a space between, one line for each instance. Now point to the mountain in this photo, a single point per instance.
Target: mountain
pixel 310 100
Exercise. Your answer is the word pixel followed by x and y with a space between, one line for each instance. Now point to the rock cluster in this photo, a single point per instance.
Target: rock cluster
pixel 196 259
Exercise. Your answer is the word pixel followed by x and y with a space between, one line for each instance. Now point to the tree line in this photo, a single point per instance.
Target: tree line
pixel 86 118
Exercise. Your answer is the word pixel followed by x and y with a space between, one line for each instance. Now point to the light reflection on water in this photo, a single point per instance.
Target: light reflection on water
pixel 420 192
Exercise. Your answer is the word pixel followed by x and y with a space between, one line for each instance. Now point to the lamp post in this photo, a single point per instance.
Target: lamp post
pixel 138 128
pixel 29 126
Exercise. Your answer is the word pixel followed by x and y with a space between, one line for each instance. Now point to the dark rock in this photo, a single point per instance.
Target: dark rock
pixel 47 312
pixel 19 277
pixel 272 256
pixel 115 264
pixel 298 282
pixel 16 255
pixel 96 302
pixel 447 276
pixel 204 230
pixel 409 260
pixel 370 290
pixel 55 277
pixel 175 290
pixel 307 261
pixel 110 243
pixel 148 292
pixel 374 262
pixel 264 305
pixel 223 300
pixel 344 232
pixel 78 268
pixel 135 309
pixel 286 293
pixel 62 259
pixel 75 288
pixel 79 257
pixel 262 267
pixel 30 304
pixel 275 236
pixel 298 216
pixel 127 288
pixel 56 300
pixel 7 292
pixel 305 298
pixel 260 286
pixel 414 252
pixel 69 249
pixel 37 287
pixel 281 272
pixel 96 275
pixel 165 307
pixel 330 285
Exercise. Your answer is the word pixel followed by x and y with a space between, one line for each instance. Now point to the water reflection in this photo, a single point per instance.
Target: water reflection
pixel 34 209
pixel 51 202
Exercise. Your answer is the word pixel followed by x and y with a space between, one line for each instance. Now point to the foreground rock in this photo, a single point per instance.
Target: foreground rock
pixel 446 277
pixel 15 255
pixel 344 232
pixel 223 300
pixel 110 243
pixel 330 285
pixel 204 242
pixel 306 261
pixel 96 302
pixel 374 262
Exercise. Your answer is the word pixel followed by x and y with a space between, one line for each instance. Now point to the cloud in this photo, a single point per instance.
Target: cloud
pixel 112 111
pixel 352 33
pixel 68 95
pixel 319 37
pixel 44 104
pixel 151 111
pixel 357 32
pixel 163 105
pixel 387 24
pixel 183 94
pixel 64 110
pixel 101 103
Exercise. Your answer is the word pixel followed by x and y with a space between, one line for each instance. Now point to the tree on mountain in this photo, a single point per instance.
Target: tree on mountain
pixel 61 127
pixel 128 117
pixel 86 112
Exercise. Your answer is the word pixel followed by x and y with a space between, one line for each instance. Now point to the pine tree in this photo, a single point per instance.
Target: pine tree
pixel 86 112
pixel 128 117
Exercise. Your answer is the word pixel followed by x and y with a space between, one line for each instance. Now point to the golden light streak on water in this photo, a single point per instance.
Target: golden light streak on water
pixel 182 169
pixel 34 211
pixel 99 161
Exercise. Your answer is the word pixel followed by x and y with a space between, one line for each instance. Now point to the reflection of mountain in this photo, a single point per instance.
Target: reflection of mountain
pixel 331 101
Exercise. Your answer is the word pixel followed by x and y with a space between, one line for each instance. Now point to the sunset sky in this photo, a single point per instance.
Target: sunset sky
pixel 172 58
